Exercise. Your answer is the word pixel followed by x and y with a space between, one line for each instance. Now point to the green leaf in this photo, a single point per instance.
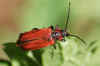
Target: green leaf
pixel 18 57
pixel 5 63
pixel 52 56
pixel 92 47
pixel 67 53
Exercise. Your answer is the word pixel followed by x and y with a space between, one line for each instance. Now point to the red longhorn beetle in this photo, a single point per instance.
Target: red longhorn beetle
pixel 40 38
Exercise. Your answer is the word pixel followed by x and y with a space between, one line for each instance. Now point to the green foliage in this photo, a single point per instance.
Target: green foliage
pixel 43 13
pixel 5 63
pixel 67 53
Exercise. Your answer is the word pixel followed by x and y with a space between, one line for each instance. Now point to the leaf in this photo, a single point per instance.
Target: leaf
pixel 92 47
pixel 5 63
pixel 73 52
pixel 91 44
pixel 52 57
pixel 67 53
pixel 18 57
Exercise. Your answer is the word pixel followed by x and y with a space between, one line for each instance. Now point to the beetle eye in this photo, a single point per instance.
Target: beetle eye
pixel 63 33
pixel 57 33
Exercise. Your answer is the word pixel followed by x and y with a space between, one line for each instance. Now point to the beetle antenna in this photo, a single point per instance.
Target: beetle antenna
pixel 68 21
pixel 78 38
pixel 68 16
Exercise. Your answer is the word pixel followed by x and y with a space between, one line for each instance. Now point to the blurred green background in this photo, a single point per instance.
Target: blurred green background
pixel 18 16
pixel 21 16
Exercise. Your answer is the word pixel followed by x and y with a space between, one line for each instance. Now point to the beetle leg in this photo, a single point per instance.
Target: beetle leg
pixel 54 46
pixel 63 40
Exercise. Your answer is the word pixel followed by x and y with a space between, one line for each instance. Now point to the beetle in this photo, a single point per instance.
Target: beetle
pixel 40 38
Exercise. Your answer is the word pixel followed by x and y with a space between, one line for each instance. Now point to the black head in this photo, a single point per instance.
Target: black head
pixel 59 34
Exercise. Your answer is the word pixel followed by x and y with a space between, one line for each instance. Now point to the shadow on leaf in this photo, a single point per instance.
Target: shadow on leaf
pixel 18 54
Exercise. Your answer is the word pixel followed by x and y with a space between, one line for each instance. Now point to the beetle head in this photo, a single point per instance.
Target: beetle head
pixel 59 34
